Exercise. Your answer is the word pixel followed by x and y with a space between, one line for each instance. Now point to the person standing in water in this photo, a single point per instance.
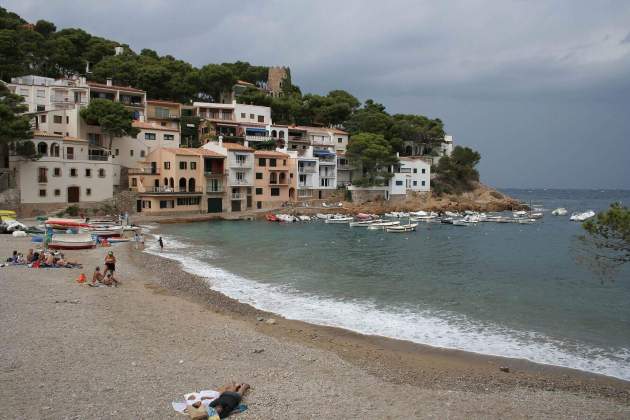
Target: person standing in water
pixel 161 242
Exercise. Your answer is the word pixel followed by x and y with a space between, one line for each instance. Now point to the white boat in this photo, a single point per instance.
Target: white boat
pixel 452 214
pixel 580 217
pixel 525 221
pixel 323 216
pixel 382 225
pixel 286 218
pixel 365 223
pixel 106 230
pixel 461 222
pixel 520 213
pixel 428 218
pixel 72 241
pixel 340 220
pixel 560 211
pixel 304 218
pixel 535 215
pixel 410 227
pixel 472 218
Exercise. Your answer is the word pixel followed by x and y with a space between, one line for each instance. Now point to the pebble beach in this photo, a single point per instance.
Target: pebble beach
pixel 69 351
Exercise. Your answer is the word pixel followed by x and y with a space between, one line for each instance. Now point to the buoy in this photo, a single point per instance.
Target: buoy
pixel 81 278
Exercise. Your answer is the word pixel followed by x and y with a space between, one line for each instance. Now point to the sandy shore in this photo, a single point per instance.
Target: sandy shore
pixel 71 351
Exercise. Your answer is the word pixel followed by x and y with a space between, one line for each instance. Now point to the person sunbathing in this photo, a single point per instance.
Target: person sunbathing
pixel 49 260
pixel 231 396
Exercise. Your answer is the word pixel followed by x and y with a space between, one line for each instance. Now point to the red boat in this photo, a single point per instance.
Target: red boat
pixel 271 218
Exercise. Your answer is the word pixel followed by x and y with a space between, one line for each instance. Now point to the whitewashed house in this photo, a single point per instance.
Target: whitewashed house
pixel 410 174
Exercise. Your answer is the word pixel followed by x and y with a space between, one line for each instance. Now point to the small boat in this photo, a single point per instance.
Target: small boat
pixel 72 241
pixel 451 214
pixel 560 211
pixel 365 223
pixel 410 227
pixel 338 219
pixel 535 215
pixel 271 217
pixel 580 217
pixel 105 230
pixel 286 218
pixel 520 213
pixel 461 222
pixel 304 218
pixel 116 240
pixel 59 223
pixel 525 221
pixel 323 216
pixel 382 225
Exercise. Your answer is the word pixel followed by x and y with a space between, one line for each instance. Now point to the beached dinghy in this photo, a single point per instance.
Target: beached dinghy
pixel 410 227
pixel 106 230
pixel 560 211
pixel 63 224
pixel 72 241
pixel 382 225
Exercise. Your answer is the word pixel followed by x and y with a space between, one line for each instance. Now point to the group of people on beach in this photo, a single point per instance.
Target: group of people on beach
pixel 106 278
pixel 41 259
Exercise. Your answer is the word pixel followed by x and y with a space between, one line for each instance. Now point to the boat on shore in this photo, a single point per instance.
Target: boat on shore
pixel 72 241
pixel 62 224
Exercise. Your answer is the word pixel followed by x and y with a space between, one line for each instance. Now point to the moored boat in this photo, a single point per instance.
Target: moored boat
pixel 410 227
pixel 339 220
pixel 560 211
pixel 365 223
pixel 382 225
pixel 580 217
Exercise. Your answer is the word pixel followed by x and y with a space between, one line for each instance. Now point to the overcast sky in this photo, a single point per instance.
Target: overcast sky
pixel 540 88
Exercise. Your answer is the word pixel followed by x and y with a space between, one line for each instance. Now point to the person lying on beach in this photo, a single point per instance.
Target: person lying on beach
pixel 97 277
pixel 231 396
pixel 62 262
pixel 50 260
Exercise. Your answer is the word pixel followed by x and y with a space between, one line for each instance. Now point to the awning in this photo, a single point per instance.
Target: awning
pixel 256 130
pixel 323 153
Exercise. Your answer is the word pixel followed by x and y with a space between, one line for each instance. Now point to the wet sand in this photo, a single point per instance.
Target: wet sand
pixel 72 351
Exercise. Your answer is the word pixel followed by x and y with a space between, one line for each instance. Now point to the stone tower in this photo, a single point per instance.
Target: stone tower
pixel 275 78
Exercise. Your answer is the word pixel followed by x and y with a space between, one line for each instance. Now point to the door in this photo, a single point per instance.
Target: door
pixel 215 205
pixel 73 194
pixel 138 206
pixel 236 205
pixel 249 201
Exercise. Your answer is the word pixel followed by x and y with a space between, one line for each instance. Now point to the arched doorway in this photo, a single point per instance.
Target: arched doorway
pixel 54 150
pixel 182 184
pixel 408 151
pixel 166 182
pixel 291 194
pixel 191 185
pixel 172 183
pixel 42 148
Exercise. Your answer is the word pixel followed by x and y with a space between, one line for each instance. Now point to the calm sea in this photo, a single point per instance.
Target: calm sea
pixel 501 289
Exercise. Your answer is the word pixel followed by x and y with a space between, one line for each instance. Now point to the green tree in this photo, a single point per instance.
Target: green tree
pixel 418 129
pixel 371 154
pixel 605 247
pixel 372 118
pixel 457 173
pixel 214 79
pixel 45 28
pixel 113 118
pixel 15 128
pixel 189 126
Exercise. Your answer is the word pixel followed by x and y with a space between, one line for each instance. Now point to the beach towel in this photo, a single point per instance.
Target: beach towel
pixel 205 397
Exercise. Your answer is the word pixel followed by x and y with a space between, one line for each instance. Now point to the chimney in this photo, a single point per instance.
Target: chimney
pixel 109 81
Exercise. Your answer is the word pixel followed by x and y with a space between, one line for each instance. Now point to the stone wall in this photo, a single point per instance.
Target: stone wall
pixel 362 195
pixel 275 77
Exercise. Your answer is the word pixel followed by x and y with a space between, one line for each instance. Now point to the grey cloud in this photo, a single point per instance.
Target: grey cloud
pixel 626 40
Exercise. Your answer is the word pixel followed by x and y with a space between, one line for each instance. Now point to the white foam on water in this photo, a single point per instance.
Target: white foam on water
pixel 435 328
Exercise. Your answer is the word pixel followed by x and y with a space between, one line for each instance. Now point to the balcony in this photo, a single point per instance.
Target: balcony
pixel 298 139
pixel 240 163
pixel 215 174
pixel 162 116
pixel 345 167
pixel 144 171
pixel 327 161
pixel 237 196
pixel 214 189
pixel 168 190
pixel 259 138
pixel 241 182
pixel 307 169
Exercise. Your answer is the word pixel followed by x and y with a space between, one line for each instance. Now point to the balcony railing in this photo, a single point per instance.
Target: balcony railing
pixel 144 171
pixel 307 169
pixel 344 167
pixel 259 138
pixel 299 139
pixel 98 157
pixel 168 190
pixel 214 189
pixel 215 174
pixel 157 116
pixel 240 163
pixel 243 181
pixel 238 196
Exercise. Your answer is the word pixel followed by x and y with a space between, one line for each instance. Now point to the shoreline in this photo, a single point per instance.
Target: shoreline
pixel 394 360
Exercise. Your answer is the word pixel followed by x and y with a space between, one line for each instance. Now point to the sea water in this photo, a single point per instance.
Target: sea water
pixel 500 289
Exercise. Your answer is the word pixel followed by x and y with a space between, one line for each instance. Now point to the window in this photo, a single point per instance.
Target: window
pixel 101 173
pixel 41 93
pixel 193 166
pixel 117 152
pixel 240 176
pixel 142 153
pixel 275 192
pixel 424 171
pixel 399 183
pixel 57 172
pixel 131 153
pixel 57 119
pixel 42 193
pixel 67 121
pixel 88 191
pixel 24 92
pixel 259 191
pixel 261 118
pixel 167 165
pixel 42 175
pixel 259 205
pixel 88 172
pixel 262 162
pixel 259 175
pixel 167 204
pixel 94 139
pixel 272 162
pixel 415 183
pixel 251 116
pixel 41 108
pixel 73 172
pixel 42 148
pixel 415 170
pixel 284 162
pixel 339 140
pixel 243 115
pixel 169 137
pixel 57 192
pixel 183 165
pixel 188 201
pixel 42 118
pixel 162 112
pixel 134 182
pixel 149 136
pixel 424 183
pixel 70 153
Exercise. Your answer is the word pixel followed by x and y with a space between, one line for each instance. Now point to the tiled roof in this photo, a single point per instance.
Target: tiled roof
pixel 151 126
pixel 236 146
pixel 46 134
pixel 76 139
pixel 114 87
pixel 193 152
pixel 338 131
pixel 271 153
